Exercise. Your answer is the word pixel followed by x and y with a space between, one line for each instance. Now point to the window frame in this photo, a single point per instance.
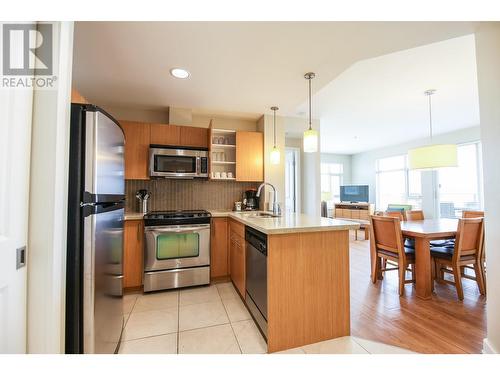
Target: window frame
pixel 407 196
pixel 479 176
pixel 330 175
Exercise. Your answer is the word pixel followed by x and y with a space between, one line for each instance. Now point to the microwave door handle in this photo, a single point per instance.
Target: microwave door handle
pixel 198 165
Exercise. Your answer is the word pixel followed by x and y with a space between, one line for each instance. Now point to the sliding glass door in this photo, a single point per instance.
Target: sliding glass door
pixel 460 188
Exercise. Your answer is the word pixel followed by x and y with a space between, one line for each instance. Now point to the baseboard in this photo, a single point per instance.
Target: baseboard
pixel 487 348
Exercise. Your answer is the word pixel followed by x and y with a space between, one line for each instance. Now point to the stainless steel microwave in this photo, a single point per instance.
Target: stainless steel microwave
pixel 176 162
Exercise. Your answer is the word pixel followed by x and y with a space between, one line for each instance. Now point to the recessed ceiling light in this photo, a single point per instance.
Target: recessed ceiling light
pixel 179 73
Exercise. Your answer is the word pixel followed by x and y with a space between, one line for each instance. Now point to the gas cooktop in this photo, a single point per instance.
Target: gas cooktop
pixel 179 217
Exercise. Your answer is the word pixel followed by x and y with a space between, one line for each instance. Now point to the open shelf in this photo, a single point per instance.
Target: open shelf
pixel 223 154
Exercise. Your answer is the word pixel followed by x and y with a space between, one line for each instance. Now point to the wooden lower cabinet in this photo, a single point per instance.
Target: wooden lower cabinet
pixel 219 249
pixel 133 253
pixel 237 256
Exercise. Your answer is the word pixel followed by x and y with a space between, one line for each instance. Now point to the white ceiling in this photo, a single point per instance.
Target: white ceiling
pixel 380 101
pixel 243 67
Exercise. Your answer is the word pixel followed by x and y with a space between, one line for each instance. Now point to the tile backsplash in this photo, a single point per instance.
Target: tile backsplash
pixel 169 194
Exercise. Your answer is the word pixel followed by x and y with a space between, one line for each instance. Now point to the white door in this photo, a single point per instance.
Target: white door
pixel 15 138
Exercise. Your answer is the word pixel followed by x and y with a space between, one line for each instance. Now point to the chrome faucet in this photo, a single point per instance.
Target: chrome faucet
pixel 276 206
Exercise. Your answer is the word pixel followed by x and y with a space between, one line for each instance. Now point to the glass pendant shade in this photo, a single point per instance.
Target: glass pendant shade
pixel 432 157
pixel 310 140
pixel 275 155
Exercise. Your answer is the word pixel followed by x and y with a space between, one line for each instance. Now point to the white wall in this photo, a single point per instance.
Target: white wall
pixel 273 173
pixel 488 63
pixel 48 204
pixel 345 160
pixel 161 117
pixel 363 164
pixel 310 181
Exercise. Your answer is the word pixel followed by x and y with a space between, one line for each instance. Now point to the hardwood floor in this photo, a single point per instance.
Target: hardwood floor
pixel 442 324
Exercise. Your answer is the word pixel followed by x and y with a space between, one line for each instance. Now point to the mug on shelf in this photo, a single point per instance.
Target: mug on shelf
pixel 223 175
pixel 217 174
pixel 229 174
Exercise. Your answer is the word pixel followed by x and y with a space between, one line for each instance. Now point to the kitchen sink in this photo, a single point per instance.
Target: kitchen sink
pixel 263 215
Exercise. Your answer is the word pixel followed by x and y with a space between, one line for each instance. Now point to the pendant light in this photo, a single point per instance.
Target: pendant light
pixel 432 156
pixel 310 135
pixel 275 153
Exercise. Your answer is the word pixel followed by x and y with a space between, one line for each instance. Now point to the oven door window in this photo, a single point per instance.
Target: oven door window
pixel 175 164
pixel 177 245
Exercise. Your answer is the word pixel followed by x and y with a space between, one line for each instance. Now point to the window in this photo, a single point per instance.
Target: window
pixel 460 187
pixel 396 184
pixel 331 179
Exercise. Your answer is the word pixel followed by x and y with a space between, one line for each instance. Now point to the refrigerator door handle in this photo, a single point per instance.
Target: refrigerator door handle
pixel 88 284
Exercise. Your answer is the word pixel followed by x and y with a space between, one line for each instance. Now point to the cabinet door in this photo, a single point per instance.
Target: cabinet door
pixel 219 248
pixel 249 156
pixel 137 139
pixel 237 260
pixel 133 253
pixel 194 137
pixel 167 135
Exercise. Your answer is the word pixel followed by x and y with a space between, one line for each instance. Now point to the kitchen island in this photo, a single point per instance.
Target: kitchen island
pixel 307 277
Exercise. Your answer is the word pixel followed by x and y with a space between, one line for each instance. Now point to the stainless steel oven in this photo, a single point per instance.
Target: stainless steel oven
pixel 177 249
pixel 175 162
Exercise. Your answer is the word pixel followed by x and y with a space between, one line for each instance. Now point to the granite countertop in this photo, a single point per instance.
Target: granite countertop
pixel 291 223
pixel 131 215
pixel 287 223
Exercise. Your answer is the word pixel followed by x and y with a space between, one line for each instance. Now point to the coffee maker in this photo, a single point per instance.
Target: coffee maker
pixel 251 200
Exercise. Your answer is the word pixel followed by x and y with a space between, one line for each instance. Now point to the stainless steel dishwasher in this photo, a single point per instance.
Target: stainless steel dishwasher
pixel 256 276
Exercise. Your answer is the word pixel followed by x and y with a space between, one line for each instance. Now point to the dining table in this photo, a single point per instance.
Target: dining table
pixel 423 232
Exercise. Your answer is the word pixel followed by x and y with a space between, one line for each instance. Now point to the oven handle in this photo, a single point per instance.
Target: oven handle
pixel 190 229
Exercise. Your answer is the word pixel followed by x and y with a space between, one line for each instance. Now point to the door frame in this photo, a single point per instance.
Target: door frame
pixel 297 154
pixel 48 204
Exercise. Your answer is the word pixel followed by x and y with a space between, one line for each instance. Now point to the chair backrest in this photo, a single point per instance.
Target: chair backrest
pixel 401 215
pixel 414 215
pixel 386 234
pixel 472 214
pixel 469 240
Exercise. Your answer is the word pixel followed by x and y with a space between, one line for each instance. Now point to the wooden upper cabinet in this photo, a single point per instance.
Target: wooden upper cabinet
pixel 76 97
pixel 137 139
pixel 174 135
pixel 193 137
pixel 168 135
pixel 249 156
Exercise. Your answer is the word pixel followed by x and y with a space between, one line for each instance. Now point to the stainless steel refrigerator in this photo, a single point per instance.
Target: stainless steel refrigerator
pixel 94 267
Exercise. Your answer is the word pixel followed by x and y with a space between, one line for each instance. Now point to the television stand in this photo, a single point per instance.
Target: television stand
pixel 356 211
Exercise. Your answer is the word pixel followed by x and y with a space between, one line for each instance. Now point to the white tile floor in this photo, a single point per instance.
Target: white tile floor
pixel 211 319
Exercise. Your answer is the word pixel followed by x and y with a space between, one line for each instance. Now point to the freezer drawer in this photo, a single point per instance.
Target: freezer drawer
pixel 103 281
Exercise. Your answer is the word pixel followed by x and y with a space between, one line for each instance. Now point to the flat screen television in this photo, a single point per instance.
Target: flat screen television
pixel 354 193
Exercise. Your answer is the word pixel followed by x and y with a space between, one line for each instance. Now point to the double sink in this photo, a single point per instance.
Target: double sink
pixel 260 215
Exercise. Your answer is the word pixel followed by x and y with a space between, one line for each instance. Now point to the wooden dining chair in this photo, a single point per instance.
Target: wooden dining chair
pixel 470 214
pixel 386 243
pixel 467 252
pixel 401 215
pixel 414 215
